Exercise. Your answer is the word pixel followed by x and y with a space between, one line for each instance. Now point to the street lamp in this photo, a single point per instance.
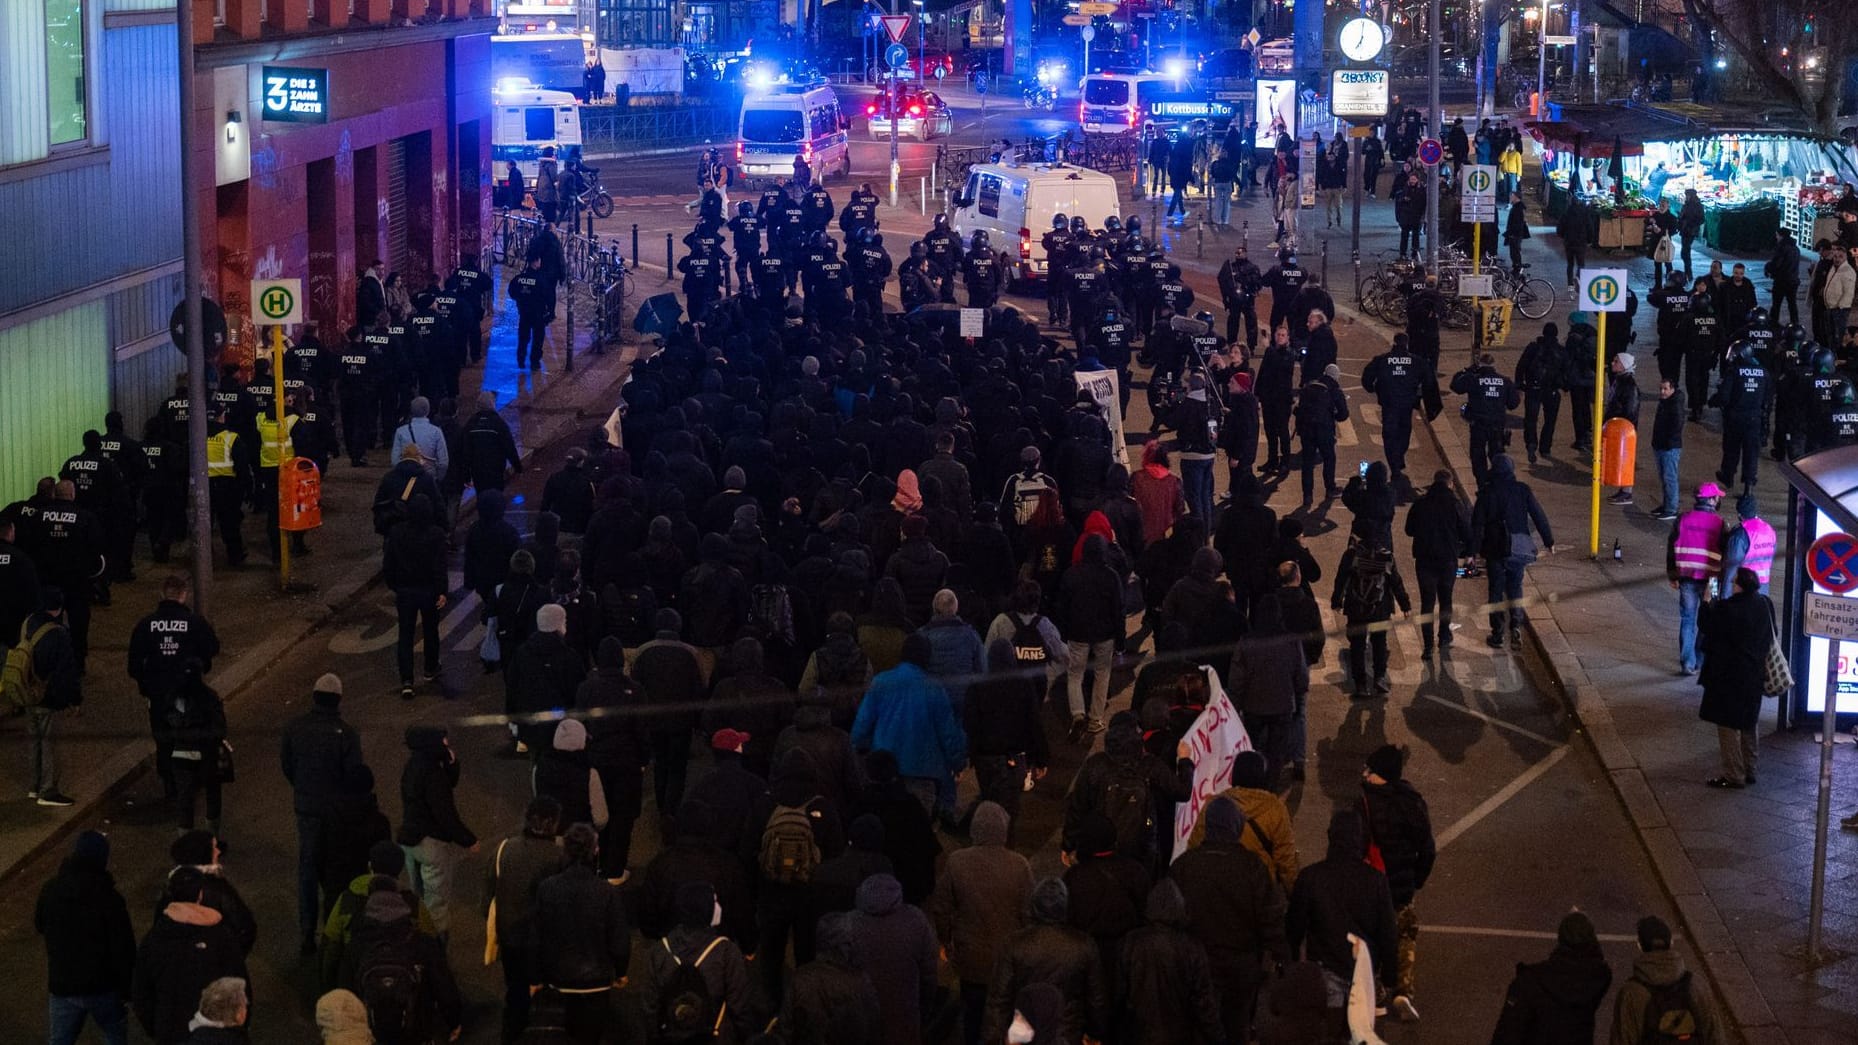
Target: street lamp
pixel 922 74
pixel 1541 62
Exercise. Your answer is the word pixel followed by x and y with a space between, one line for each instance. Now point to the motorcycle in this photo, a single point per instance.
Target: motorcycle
pixel 1038 95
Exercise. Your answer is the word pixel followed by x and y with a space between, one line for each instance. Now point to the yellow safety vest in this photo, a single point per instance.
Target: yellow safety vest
pixel 270 450
pixel 219 455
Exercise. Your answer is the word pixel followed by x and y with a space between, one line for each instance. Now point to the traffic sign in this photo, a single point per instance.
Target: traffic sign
pixel 1830 562
pixel 896 56
pixel 1477 193
pixel 1431 152
pixel 1089 33
pixel 1096 7
pixel 1254 36
pixel 980 81
pixel 896 26
pixel 1077 19
pixel 1830 617
pixel 1603 290
pixel 213 336
pixel 277 302
pixel 1559 41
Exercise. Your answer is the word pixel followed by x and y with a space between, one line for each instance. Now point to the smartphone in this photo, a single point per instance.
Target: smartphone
pixel 1364 470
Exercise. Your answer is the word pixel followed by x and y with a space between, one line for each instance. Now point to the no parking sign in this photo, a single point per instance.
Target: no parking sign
pixel 1832 562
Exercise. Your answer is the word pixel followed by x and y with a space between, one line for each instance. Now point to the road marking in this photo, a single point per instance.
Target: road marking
pixel 1493 720
pixel 1496 801
pixel 1517 934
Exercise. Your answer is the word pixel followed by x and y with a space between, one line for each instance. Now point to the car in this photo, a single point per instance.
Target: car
pixel 1015 205
pixel 923 115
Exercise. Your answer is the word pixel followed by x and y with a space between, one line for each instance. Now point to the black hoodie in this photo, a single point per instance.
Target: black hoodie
pixel 1164 992
pixel 426 784
pixel 1339 895
pixel 1555 1000
pixel 89 942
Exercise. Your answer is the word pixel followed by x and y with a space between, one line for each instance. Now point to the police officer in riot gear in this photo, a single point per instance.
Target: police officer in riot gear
pixel 1747 402
pixel 702 273
pixel 1087 284
pixel 1397 380
pixel 1842 422
pixel 771 282
pixel 816 209
pixel 1489 398
pixel 164 492
pixel 873 270
pixel 164 646
pixel 945 256
pixel 1703 347
pixel 1285 279
pixel 914 282
pixel 1109 343
pixel 1239 283
pixel 981 272
pixel 745 231
pixel 470 287
pixel 1058 246
pixel 1826 389
pixel 361 370
pixel 535 303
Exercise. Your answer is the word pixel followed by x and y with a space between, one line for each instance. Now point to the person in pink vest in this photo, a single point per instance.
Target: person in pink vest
pixel 1693 558
pixel 1751 544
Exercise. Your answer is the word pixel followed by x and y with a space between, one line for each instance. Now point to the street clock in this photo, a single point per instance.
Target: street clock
pixel 1362 39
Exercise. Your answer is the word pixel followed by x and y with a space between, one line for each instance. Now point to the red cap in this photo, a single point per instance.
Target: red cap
pixel 729 740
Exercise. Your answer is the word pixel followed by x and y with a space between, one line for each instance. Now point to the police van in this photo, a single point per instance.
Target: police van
pixel 1114 103
pixel 1015 206
pixel 788 120
pixel 527 120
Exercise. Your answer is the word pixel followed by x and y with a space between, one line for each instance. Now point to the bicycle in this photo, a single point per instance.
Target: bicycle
pixel 1532 296
pixel 593 196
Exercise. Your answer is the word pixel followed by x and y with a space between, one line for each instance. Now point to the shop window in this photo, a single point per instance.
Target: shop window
pixel 43 78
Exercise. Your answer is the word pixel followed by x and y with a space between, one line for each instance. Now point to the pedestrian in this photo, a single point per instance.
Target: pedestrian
pixel 200 851
pixel 189 946
pixel 1689 225
pixel 1668 445
pixel 830 1000
pixel 381 873
pixel 1734 635
pixel 980 900
pixel 321 753
pixel 90 945
pixel 1541 374
pixel 1583 344
pixel 1164 993
pixel 1132 788
pixel 1400 829
pixel 1441 531
pixel 1235 910
pixel 672 672
pixel 490 446
pixel 196 737
pixel 1267 833
pixel 1409 207
pixel 1107 888
pixel 1506 508
pixel 1400 384
pixel 1158 492
pixel 421 432
pixel 618 748
pixel 341 1018
pixel 1783 270
pixel 1576 231
pixel 413 568
pixel 1693 565
pixel 579 937
pixel 908 713
pixel 1321 406
pixel 1340 896
pixel 788 833
pixel 1371 500
pixel 432 834
pixel 54 685
pixel 1270 680
pixel 220 1019
pixel 400 971
pixel 544 675
pixel 696 983
pixel 489 544
pixel 518 865
pixel 405 482
pixel 1661 999
pixel 1367 587
pixel 1049 951
pixel 159 647
pixel 1558 998
pixel 1298 1004
pixel 1622 403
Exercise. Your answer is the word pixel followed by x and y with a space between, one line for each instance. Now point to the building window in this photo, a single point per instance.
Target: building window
pixel 43 87
pixel 634 23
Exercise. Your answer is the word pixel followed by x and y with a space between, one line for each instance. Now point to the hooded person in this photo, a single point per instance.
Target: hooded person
pixel 544 675
pixel 1049 951
pixel 1338 895
pixel 382 873
pixel 89 940
pixel 432 834
pixel 788 833
pixel 830 1000
pixel 1235 910
pixel 694 940
pixel 341 1019
pixel 1131 788
pixel 1158 492
pixel 1659 976
pixel 387 935
pixel 189 946
pixel 200 851
pixel 1163 993
pixel 980 900
pixel 834 883
pixel 829 748
pixel 893 942
pixel 1557 999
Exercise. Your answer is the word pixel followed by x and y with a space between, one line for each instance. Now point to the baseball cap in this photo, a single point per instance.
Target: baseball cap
pixel 729 740
pixel 1709 490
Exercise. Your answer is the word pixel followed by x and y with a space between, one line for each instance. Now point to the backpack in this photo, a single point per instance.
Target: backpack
pixel 1367 586
pixel 788 851
pixel 20 684
pixel 391 511
pixel 773 607
pixel 1495 546
pixel 686 1012
pixel 1029 643
pixel 1026 490
pixel 390 984
pixel 1669 1016
pixel 1124 798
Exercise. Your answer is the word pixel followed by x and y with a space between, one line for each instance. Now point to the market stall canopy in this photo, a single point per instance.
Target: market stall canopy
pixel 1829 479
pixel 1595 128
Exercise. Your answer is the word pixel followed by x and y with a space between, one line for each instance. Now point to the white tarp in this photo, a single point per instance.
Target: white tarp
pixel 1215 740
pixel 645 70
pixel 1101 384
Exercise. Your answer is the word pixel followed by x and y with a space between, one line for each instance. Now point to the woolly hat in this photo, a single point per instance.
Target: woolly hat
pixel 552 617
pixel 1225 821
pixel 91 850
pixel 1387 762
pixel 1576 930
pixel 570 735
pixel 328 691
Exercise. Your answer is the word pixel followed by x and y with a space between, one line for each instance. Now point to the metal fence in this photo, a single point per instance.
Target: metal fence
pixel 598 282
pixel 602 132
pixel 1097 152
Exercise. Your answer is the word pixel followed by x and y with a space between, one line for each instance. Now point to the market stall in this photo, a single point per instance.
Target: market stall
pixel 1578 161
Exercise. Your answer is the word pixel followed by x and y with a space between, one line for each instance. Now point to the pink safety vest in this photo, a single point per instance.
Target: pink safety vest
pixel 1760 556
pixel 1699 547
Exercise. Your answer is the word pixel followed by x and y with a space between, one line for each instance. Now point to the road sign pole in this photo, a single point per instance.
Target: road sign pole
pixel 1434 121
pixel 283 433
pixel 1599 405
pixel 1477 321
pixel 199 494
pixel 1828 726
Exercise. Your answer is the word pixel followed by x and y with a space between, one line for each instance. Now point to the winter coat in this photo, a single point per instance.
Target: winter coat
pixel 955 656
pixel 1555 1000
pixel 1233 907
pixel 489 543
pixel 1398 822
pixel 1622 398
pixel 921 569
pixel 1090 601
pixel 618 743
pixel 320 753
pixel 1122 756
pixel 1064 957
pixel 1661 969
pixel 188 947
pixel 428 809
pixel 714 600
pixel 1393 592
pixel 89 941
pixel 1510 500
pixel 513 870
pixel 1163 991
pixel 908 714
pixel 1336 896
pixel 217 892
pixel 351 902
pixel 1733 635
pixel 836 769
pixel 1106 897
pixel 1158 495
pixel 578 932
pixel 831 1001
pixel 1268 674
pixel 725 973
pixel 980 898
pixel 544 676
pixel 894 944
pixel 1268 832
pixel 694 858
pixel 1440 528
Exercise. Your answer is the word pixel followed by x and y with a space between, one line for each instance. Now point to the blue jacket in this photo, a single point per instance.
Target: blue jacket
pixel 908 714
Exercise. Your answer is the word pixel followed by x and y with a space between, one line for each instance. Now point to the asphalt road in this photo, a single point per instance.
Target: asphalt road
pixel 1527 824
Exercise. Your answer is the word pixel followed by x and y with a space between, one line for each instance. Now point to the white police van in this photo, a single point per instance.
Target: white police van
pixel 788 120
pixel 1015 205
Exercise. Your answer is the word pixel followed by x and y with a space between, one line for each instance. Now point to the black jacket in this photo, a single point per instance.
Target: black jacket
pixel 161 645
pixel 1668 422
pixel 1400 824
pixel 184 951
pixel 1440 528
pixel 1164 993
pixel 1338 896
pixel 414 560
pixel 578 931
pixel 1508 499
pixel 544 675
pixel 428 809
pixel 89 941
pixel 830 1002
pixel 489 448
pixel 54 659
pixel 1059 955
pixel 1090 601
pixel 1554 1001
pixel 1234 907
pixel 1122 753
pixel 320 752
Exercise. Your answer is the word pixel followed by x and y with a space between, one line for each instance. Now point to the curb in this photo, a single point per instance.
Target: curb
pixel 122 769
pixel 1557 669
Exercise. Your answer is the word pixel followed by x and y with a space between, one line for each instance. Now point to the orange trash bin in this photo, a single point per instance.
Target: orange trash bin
pixel 1619 446
pixel 303 500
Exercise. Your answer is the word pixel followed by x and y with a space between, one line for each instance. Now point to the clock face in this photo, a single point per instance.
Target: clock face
pixel 1361 39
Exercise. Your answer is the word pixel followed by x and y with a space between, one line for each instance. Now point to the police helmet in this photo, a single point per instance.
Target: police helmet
pixel 1287 256
pixel 1099 253
pixel 1744 349
pixel 1796 334
pixel 1155 253
pixel 1845 396
pixel 1060 222
pixel 1823 360
pixel 941 221
pixel 979 240
pixel 1135 224
pixel 1112 224
pixel 1078 225
pixel 1757 315
pixel 1111 313
pixel 745 209
pixel 1204 316
pixel 918 249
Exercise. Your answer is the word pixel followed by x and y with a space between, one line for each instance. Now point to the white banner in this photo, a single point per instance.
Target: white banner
pixel 1101 384
pixel 1216 738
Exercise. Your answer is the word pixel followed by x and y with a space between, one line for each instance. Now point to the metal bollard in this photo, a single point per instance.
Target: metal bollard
pixel 1323 251
pixel 922 194
pixel 667 257
pixel 1245 234
pixel 568 348
pixel 1200 240
pixel 635 246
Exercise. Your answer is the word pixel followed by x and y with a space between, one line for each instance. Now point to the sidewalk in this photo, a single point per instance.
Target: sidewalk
pixel 1738 865
pixel 104 750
